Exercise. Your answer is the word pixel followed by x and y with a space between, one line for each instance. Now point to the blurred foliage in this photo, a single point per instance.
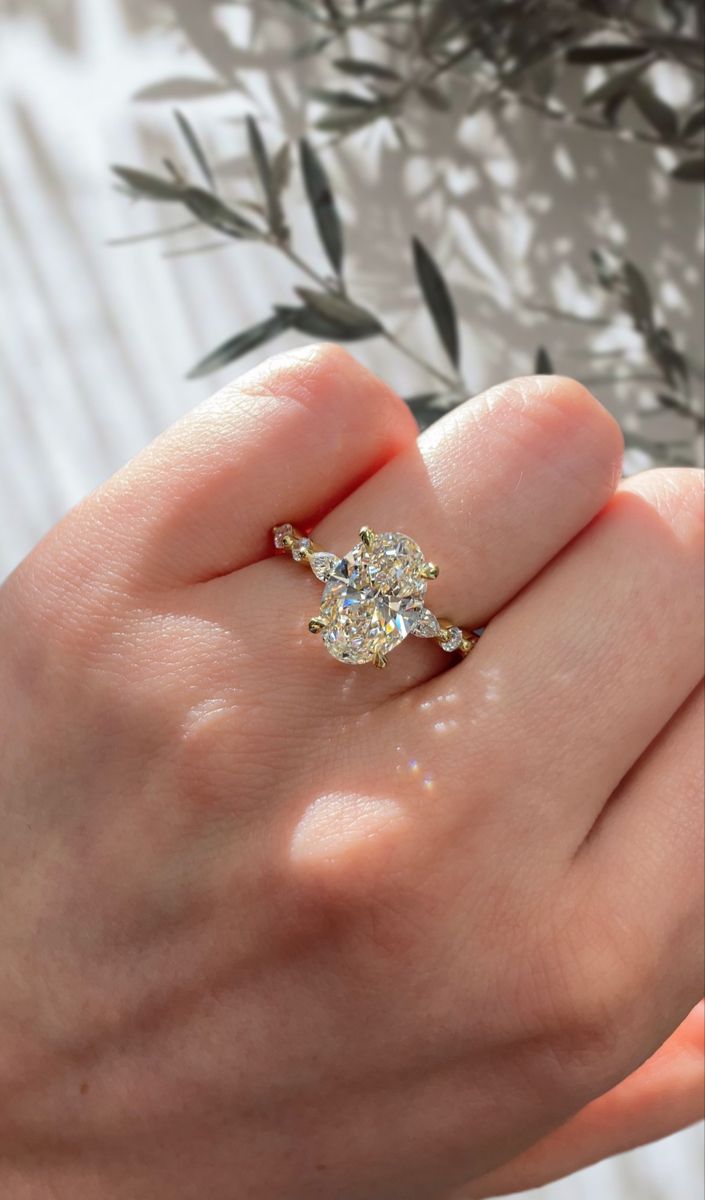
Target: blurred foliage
pixel 592 65
pixel 519 52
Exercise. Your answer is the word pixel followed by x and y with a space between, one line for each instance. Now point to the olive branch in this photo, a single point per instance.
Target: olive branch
pixel 454 56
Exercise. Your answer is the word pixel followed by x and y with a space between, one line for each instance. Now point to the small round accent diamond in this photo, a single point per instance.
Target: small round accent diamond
pixel 281 534
pixel 452 639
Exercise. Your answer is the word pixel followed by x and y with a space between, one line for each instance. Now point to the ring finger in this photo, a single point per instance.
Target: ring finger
pixel 491 493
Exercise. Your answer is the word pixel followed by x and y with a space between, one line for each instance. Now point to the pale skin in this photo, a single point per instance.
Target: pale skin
pixel 274 928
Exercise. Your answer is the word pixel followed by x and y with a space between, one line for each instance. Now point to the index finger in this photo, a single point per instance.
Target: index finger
pixel 286 442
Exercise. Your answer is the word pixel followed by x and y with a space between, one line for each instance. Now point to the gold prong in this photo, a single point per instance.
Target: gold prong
pixel 468 643
pixel 367 535
pixel 429 571
pixel 380 661
pixel 316 624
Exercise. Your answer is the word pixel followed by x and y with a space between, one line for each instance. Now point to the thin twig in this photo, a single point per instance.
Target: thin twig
pixel 447 380
pixel 337 288
pixel 615 380
pixel 567 118
pixel 546 310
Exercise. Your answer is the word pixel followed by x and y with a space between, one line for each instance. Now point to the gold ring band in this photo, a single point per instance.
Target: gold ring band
pixel 374 596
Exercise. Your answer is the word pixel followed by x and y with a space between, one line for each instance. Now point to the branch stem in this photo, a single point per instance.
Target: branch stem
pixel 337 288
pixel 447 380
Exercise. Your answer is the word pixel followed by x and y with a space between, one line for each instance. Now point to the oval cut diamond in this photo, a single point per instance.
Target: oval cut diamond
pixel 373 598
pixel 394 565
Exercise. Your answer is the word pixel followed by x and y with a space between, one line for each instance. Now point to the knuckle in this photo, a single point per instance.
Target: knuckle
pixel 338 379
pixel 325 379
pixel 572 401
pixel 678 495
pixel 578 406
pixel 577 435
pixel 330 356
pixel 313 368
pixel 588 989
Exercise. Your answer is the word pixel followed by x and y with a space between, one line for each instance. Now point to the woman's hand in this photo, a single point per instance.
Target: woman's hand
pixel 274 928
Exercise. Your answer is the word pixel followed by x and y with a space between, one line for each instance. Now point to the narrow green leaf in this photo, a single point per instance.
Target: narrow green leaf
pixel 544 363
pixel 323 206
pixel 333 11
pixel 605 269
pixel 612 107
pixel 241 344
pixel 668 401
pixel 152 187
pixel 695 122
pixel 348 121
pixel 666 354
pixel 258 150
pixel 196 149
pixel 341 99
pixel 596 53
pixel 664 41
pixel 618 84
pixel 183 87
pixel 434 97
pixel 214 212
pixel 421 399
pixel 312 48
pixel 379 14
pixel 690 170
pixel 340 310
pixel 441 16
pixel 281 168
pixel 438 299
pixel 638 296
pixel 362 68
pixel 543 79
pixel 425 407
pixel 659 114
pixel 314 324
pixel 306 8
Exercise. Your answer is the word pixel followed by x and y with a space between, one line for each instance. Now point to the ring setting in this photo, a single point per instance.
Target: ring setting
pixel 373 596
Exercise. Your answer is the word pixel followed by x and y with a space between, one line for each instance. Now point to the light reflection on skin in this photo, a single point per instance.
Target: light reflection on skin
pixel 352 829
pixel 493 679
pixel 344 831
pixel 412 770
pixel 423 778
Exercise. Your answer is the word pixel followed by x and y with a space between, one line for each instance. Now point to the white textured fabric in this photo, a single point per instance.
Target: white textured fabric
pixel 95 341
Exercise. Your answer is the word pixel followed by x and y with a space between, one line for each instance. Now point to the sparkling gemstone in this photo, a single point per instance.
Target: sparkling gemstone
pixel 452 640
pixel 281 533
pixel 394 565
pixel 428 625
pixel 373 598
pixel 300 549
pixel 322 564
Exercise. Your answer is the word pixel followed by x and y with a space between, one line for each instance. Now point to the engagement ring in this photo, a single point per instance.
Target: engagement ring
pixel 373 596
